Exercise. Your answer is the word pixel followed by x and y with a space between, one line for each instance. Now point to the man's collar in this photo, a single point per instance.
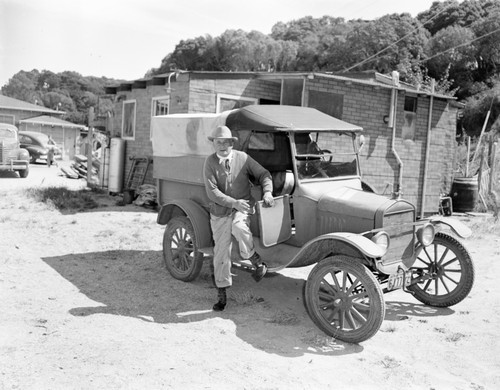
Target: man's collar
pixel 222 159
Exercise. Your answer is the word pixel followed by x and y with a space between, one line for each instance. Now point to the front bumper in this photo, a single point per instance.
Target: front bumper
pixel 15 165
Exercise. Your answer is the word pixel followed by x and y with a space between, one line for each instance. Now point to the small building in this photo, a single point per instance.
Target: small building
pixel 410 133
pixel 32 117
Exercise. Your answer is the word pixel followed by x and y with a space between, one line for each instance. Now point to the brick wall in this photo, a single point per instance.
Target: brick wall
pixel 366 106
pixel 363 105
pixel 193 95
pixel 203 92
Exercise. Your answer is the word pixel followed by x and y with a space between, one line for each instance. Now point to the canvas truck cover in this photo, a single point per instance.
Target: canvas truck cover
pixel 180 141
pixel 184 134
pixel 181 145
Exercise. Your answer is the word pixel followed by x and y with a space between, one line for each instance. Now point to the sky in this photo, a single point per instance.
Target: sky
pixel 123 39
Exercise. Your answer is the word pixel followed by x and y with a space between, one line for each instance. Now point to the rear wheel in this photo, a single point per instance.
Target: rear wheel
pixel 180 250
pixel 446 270
pixel 344 299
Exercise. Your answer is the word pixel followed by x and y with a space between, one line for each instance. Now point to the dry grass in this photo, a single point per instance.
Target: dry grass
pixel 61 198
pixel 284 318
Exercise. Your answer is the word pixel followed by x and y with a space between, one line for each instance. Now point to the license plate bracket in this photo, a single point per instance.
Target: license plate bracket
pixel 401 279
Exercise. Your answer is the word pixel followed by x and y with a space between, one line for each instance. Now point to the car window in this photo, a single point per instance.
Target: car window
pixel 25 139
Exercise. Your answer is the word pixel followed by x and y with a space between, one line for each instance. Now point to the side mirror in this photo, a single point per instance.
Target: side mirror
pixel 361 140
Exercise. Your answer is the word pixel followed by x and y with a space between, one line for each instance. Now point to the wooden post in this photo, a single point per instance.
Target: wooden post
pixel 480 173
pixel 481 134
pixel 91 143
pixel 492 167
pixel 467 160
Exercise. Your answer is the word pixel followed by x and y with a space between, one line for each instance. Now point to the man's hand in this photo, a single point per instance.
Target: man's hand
pixel 242 205
pixel 268 199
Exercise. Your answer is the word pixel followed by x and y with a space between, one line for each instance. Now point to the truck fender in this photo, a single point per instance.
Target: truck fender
pixel 199 217
pixel 455 225
pixel 366 246
pixel 350 244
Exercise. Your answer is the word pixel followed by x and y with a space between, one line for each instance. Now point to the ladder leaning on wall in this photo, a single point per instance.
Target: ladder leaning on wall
pixel 137 173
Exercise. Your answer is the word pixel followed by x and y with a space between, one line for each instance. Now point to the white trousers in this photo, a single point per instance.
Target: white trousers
pixel 223 228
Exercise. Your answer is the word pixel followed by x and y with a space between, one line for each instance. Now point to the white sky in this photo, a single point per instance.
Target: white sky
pixel 123 39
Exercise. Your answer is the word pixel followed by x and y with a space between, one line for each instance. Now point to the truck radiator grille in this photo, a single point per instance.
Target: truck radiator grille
pixel 400 227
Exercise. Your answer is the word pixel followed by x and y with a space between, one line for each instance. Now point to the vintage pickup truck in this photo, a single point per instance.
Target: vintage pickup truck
pixel 361 244
pixel 12 157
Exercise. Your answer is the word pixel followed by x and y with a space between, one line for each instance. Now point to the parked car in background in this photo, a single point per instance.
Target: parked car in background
pixel 37 144
pixel 12 157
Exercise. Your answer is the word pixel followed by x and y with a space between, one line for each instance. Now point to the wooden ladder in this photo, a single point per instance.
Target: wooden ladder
pixel 137 173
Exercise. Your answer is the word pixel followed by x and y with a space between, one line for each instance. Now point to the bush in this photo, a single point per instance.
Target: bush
pixel 64 199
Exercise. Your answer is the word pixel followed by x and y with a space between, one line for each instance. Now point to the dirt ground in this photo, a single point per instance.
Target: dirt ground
pixel 87 303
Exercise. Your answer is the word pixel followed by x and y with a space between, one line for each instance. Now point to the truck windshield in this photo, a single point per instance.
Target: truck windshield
pixel 323 155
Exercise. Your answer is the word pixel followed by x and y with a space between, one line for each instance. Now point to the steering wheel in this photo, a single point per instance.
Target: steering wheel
pixel 326 158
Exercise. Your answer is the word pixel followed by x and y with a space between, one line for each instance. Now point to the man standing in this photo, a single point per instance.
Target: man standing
pixel 226 175
pixel 50 151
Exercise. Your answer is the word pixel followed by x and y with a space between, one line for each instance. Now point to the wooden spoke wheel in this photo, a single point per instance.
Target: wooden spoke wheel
pixel 344 299
pixel 444 272
pixel 180 250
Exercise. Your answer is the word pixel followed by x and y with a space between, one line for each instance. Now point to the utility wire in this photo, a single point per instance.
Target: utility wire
pixel 399 40
pixel 462 44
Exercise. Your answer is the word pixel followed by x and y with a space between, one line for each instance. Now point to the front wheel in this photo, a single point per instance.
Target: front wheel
pixel 24 173
pixel 445 270
pixel 344 299
pixel 180 250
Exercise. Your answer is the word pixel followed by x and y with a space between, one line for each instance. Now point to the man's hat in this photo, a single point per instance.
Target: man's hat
pixel 222 132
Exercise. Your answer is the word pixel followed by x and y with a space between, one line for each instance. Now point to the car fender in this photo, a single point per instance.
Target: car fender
pixel 455 225
pixel 199 217
pixel 349 244
pixel 23 154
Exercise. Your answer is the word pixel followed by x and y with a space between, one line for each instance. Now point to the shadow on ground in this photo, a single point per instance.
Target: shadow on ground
pixel 136 284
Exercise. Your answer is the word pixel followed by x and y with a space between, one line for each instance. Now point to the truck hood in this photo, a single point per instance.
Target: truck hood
pixel 352 202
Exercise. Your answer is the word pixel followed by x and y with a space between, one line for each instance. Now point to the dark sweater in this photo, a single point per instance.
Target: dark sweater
pixel 224 188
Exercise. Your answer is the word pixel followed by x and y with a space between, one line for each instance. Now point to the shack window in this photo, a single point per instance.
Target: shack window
pixel 128 120
pixel 159 106
pixel 410 118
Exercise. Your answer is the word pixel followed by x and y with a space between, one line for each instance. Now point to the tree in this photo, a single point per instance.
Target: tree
pixel 488 47
pixel 23 86
pixel 66 91
pixel 449 54
pixel 477 107
pixel 382 44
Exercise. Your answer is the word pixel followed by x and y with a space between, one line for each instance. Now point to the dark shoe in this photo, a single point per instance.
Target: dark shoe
pixel 255 259
pixel 221 303
pixel 259 272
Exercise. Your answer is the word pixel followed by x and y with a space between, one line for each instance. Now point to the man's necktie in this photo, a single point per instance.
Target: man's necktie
pixel 228 167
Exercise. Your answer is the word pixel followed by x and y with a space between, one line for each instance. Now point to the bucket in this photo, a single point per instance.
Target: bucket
pixel 464 194
pixel 128 196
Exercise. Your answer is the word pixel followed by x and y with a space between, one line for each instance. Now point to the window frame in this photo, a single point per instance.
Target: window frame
pixel 133 119
pixel 408 130
pixel 154 101
pixel 236 98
